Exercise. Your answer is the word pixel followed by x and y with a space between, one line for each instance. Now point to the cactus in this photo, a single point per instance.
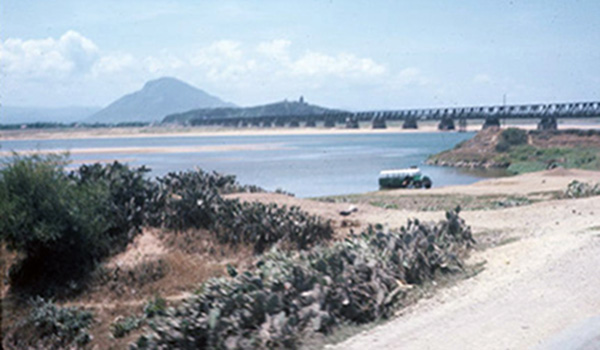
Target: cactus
pixel 290 294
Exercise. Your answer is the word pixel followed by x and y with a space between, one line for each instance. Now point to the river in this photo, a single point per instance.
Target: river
pixel 306 165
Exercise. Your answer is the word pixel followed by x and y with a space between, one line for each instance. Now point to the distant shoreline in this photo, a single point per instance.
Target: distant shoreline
pixel 168 131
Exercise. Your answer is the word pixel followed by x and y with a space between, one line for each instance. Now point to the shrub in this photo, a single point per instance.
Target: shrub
pixel 124 325
pixel 63 224
pixel 157 306
pixel 578 189
pixel 52 327
pixel 187 199
pixel 263 225
pixel 128 191
pixel 193 200
pixel 511 137
pixel 56 224
pixel 290 295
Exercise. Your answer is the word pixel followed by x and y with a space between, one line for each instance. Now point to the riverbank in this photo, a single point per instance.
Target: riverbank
pixel 520 151
pixel 179 131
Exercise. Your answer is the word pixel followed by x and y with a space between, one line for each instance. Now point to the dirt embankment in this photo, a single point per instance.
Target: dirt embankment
pixel 482 152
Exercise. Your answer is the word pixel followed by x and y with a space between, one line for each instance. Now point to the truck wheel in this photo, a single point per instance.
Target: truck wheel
pixel 427 183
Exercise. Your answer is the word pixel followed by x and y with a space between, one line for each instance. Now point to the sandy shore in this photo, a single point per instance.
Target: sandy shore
pixel 148 132
pixel 539 287
pixel 154 150
pixel 165 131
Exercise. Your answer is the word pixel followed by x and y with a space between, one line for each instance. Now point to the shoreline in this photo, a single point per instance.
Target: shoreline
pixel 166 131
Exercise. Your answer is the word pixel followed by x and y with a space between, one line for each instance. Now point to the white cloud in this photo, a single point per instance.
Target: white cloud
pixel 412 75
pixel 482 79
pixel 114 63
pixel 341 65
pixel 71 53
pixel 219 53
pixel 276 49
pixel 163 64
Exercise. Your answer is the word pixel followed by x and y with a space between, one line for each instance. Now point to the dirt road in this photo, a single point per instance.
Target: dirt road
pixel 542 283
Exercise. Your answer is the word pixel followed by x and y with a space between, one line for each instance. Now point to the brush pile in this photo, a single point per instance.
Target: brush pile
pixel 290 295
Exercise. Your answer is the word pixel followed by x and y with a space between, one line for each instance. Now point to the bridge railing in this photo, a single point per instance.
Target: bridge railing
pixel 559 110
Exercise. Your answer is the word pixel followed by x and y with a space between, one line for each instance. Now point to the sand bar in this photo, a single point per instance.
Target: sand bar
pixel 168 131
pixel 155 150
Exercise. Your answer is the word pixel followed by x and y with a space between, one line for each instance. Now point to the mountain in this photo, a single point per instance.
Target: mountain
pixel 24 115
pixel 278 109
pixel 155 100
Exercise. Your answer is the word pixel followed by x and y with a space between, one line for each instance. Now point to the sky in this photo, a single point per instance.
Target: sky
pixel 353 54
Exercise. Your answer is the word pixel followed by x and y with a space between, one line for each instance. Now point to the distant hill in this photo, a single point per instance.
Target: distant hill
pixel 24 115
pixel 155 100
pixel 279 109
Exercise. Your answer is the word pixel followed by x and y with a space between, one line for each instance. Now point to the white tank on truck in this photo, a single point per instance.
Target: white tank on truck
pixel 404 178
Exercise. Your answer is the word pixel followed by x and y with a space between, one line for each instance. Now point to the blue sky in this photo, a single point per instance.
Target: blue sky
pixel 348 54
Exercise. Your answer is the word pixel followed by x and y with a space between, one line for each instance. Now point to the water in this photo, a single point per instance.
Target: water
pixel 307 165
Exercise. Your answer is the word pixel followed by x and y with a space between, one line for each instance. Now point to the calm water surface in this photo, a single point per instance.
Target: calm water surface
pixel 307 165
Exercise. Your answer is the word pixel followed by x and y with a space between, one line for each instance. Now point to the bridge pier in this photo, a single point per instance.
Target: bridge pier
pixel 378 123
pixel 491 121
pixel 351 123
pixel 547 122
pixel 329 122
pixel 410 123
pixel 447 123
pixel 280 122
pixel 462 124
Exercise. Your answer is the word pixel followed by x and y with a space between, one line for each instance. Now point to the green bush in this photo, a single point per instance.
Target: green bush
pixel 157 306
pixel 55 223
pixel 49 326
pixel 511 137
pixel 128 191
pixel 63 224
pixel 186 200
pixel 263 225
pixel 194 200
pixel 577 189
pixel 124 325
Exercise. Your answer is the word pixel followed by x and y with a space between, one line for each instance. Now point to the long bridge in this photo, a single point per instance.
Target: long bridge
pixel 547 113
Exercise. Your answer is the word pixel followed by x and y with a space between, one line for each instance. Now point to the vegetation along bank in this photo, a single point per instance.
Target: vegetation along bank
pixel 520 151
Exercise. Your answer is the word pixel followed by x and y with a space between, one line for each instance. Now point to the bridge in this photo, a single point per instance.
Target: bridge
pixel 547 113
